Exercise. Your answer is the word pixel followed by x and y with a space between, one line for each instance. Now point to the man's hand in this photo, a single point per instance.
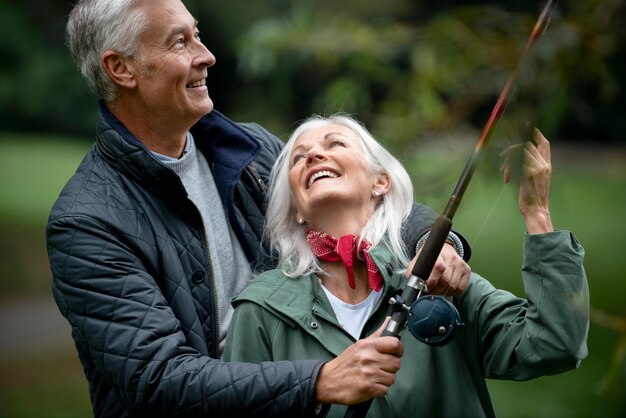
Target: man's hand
pixel 364 370
pixel 450 273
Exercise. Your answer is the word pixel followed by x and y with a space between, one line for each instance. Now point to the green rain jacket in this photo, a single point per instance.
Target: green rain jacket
pixel 504 337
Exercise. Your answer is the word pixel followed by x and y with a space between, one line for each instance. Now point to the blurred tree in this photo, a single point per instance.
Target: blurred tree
pixel 39 87
pixel 409 69
pixel 409 73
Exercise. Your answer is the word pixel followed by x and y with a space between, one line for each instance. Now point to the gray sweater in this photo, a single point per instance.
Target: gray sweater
pixel 231 269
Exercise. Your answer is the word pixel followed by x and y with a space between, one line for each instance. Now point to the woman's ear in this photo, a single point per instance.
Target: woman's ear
pixel 119 69
pixel 382 185
pixel 299 219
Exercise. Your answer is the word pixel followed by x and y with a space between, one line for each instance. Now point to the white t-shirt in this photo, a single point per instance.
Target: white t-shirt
pixel 353 317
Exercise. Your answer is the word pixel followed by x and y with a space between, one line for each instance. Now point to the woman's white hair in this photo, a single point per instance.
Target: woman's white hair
pixel 288 238
pixel 97 26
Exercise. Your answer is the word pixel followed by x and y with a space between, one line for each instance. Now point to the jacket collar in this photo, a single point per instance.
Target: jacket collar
pixel 228 149
pixel 292 301
pixel 225 145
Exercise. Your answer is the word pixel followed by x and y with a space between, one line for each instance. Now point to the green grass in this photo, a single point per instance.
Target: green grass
pixel 589 200
pixel 49 385
pixel 33 169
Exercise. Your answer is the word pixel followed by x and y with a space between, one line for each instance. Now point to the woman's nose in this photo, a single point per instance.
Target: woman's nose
pixel 315 154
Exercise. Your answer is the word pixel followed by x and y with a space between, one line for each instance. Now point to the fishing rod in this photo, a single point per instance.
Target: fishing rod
pixel 433 319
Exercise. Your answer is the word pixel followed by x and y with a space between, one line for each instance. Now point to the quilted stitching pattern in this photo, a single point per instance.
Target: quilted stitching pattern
pixel 122 254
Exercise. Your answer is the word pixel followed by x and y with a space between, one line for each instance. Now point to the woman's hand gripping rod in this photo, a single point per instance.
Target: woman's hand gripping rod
pixel 416 285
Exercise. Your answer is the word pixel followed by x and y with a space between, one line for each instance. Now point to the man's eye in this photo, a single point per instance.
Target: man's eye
pixel 197 35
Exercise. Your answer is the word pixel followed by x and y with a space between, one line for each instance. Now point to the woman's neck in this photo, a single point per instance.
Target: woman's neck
pixel 335 279
pixel 341 220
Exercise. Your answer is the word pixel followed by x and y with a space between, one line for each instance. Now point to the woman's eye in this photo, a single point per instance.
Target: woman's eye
pixel 336 144
pixel 297 158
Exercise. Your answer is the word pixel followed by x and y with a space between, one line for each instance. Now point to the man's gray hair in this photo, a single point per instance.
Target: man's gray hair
pixel 97 26
pixel 288 238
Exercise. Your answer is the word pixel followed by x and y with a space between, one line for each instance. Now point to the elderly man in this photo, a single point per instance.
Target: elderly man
pixel 161 226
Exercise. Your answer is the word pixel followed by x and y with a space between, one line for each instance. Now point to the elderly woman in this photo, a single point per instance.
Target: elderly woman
pixel 337 204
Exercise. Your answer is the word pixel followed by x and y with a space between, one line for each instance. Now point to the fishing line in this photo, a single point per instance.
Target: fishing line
pixel 493 208
pixel 406 304
pixel 478 234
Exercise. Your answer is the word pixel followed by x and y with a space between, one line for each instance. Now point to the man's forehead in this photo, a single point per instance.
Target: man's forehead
pixel 168 17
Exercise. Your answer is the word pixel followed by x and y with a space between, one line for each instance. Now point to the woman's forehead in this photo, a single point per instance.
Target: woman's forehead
pixel 324 133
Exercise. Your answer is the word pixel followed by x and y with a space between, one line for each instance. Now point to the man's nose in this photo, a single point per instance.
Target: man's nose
pixel 203 57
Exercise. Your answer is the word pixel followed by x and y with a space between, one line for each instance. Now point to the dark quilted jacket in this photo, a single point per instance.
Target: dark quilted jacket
pixel 130 273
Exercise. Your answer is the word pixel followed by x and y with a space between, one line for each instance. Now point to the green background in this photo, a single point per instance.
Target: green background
pixel 423 76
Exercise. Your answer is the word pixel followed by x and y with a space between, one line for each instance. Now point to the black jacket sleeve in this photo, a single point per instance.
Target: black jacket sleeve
pixel 418 223
pixel 139 362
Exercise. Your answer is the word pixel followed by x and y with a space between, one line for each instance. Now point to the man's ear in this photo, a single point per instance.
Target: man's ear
pixel 119 69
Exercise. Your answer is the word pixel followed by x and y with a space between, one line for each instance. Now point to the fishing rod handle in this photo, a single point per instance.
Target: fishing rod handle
pixel 432 248
pixel 396 325
pixel 393 329
pixel 420 273
pixel 422 269
pixel 358 410
pixel 416 283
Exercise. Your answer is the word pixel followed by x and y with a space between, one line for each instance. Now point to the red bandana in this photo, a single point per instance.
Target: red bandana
pixel 329 248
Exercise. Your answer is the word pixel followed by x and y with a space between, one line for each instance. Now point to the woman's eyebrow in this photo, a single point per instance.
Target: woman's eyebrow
pixel 328 134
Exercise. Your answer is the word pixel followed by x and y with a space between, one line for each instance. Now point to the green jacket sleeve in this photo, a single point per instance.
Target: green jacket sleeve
pixel 248 320
pixel 544 334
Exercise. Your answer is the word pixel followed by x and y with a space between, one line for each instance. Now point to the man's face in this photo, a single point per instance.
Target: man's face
pixel 172 66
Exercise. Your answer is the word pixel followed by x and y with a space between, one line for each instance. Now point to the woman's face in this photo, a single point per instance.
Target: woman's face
pixel 329 176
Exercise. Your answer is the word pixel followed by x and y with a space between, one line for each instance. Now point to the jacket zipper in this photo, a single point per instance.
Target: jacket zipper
pixel 213 294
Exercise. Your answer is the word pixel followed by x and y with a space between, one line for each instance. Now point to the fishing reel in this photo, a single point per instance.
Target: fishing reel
pixel 432 319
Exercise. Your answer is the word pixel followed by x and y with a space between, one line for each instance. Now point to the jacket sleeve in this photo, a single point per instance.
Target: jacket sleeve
pixel 418 223
pixel 544 334
pixel 249 320
pixel 126 331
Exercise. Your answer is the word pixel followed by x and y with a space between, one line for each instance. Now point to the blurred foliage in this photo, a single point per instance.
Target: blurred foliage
pixel 413 71
pixel 39 86
pixel 410 77
pixel 410 70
